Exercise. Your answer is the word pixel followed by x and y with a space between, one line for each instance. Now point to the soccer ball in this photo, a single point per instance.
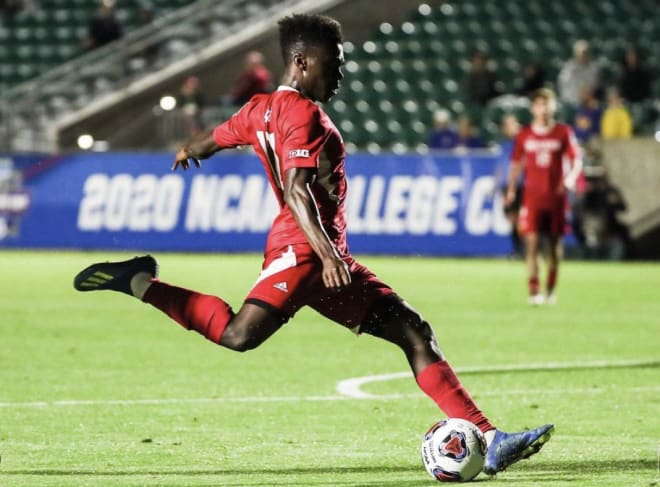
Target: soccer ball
pixel 453 450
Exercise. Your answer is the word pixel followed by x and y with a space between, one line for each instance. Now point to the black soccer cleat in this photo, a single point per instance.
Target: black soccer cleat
pixel 115 276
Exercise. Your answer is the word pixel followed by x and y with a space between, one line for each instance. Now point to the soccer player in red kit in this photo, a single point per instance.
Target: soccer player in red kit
pixel 307 261
pixel 540 150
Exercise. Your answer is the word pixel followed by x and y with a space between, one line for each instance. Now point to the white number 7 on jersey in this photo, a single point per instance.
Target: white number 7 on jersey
pixel 267 143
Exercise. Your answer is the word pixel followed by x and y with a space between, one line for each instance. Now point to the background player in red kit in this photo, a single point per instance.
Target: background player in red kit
pixel 540 150
pixel 307 261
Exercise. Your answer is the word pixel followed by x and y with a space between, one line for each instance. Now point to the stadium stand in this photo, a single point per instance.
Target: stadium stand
pixel 395 78
pixel 38 38
pixel 32 110
pixel 404 72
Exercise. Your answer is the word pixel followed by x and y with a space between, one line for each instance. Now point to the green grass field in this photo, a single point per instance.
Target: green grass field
pixel 98 389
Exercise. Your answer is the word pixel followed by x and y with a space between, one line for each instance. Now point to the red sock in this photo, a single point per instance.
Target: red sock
pixel 440 383
pixel 533 285
pixel 207 315
pixel 552 280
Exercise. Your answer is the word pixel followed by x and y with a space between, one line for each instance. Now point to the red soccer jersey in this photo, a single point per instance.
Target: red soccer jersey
pixel 288 130
pixel 542 154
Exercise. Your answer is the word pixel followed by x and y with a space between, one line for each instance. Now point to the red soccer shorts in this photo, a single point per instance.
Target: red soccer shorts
pixel 542 220
pixel 291 278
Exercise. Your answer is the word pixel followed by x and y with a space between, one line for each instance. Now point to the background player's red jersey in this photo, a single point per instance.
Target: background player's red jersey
pixel 288 130
pixel 542 154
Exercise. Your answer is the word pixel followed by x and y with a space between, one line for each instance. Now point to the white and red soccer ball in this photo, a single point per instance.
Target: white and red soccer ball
pixel 453 450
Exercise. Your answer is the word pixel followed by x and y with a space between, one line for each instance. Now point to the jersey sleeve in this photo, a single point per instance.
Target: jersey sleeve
pixel 572 149
pixel 303 139
pixel 234 132
pixel 517 152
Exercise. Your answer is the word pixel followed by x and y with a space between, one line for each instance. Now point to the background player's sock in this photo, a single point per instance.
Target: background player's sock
pixel 440 383
pixel 552 281
pixel 533 285
pixel 207 315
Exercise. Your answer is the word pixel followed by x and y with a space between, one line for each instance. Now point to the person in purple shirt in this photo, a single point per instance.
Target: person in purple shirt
pixel 467 138
pixel 443 136
pixel 586 121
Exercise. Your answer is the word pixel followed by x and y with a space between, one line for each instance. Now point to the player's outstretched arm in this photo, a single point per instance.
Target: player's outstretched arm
pixel 299 198
pixel 200 147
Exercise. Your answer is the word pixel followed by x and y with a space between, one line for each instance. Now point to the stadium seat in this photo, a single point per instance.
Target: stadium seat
pixel 423 61
pixel 55 28
pixel 402 71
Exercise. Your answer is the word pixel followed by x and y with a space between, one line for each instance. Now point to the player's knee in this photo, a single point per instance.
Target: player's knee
pixel 236 339
pixel 398 322
pixel 419 331
pixel 244 346
pixel 240 344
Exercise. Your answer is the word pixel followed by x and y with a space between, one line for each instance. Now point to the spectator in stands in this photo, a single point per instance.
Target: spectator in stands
pixel 597 210
pixel 148 54
pixel 578 73
pixel 616 122
pixel 586 121
pixel 10 7
pixel 190 101
pixel 146 12
pixel 480 83
pixel 533 78
pixel 443 135
pixel 254 79
pixel 104 26
pixel 635 80
pixel 467 138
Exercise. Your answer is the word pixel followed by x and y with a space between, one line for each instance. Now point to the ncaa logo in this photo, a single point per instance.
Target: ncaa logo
pixel 454 446
pixel 14 200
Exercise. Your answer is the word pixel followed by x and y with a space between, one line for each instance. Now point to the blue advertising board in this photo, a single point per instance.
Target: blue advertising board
pixel 397 204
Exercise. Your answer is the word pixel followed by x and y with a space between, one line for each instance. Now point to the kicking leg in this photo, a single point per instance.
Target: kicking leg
pixel 395 321
pixel 213 318
pixel 208 315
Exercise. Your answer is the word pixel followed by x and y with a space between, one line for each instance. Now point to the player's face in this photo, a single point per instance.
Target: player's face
pixel 323 72
pixel 543 109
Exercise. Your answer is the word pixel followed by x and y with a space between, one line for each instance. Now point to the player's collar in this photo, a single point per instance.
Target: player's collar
pixel 540 130
pixel 286 88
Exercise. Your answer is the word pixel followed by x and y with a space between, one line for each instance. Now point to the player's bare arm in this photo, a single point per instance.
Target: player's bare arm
pixel 514 175
pixel 571 178
pixel 299 198
pixel 200 147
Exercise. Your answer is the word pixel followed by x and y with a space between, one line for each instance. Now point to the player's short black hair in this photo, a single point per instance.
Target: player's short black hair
pixel 300 30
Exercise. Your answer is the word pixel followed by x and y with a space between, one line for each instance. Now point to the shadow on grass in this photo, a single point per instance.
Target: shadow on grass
pixel 579 470
pixel 541 473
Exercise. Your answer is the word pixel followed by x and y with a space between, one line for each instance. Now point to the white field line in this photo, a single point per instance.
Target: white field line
pixel 266 399
pixel 353 387
pixel 350 389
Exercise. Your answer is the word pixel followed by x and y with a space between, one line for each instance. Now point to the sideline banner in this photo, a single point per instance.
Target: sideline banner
pixel 397 204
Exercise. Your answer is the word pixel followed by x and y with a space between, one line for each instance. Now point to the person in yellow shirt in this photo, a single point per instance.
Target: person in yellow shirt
pixel 616 122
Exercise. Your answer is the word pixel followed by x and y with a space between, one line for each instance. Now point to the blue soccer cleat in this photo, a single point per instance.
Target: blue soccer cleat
pixel 115 276
pixel 508 448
